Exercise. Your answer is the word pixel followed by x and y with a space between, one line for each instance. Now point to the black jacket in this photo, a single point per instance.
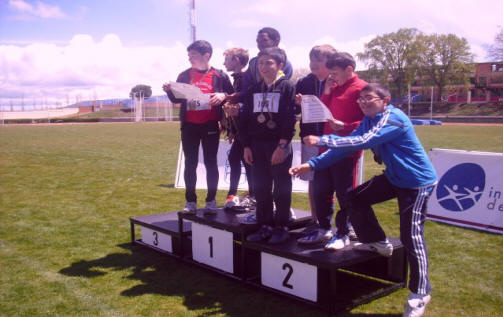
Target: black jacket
pixel 310 85
pixel 285 117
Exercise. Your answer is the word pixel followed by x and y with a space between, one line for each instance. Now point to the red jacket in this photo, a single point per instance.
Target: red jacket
pixel 342 103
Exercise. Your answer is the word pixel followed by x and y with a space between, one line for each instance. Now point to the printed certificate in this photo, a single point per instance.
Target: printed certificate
pixel 313 110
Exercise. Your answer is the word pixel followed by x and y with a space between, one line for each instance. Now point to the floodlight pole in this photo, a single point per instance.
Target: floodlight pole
pixel 193 21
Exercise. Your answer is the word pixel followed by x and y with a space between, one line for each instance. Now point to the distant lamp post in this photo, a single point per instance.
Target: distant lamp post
pixel 192 20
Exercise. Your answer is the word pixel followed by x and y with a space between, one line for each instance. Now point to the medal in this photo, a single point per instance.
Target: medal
pixel 271 124
pixel 261 118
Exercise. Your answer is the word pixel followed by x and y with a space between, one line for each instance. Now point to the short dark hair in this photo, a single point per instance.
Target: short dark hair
pixel 341 60
pixel 271 32
pixel 201 46
pixel 275 53
pixel 320 51
pixel 381 90
pixel 238 52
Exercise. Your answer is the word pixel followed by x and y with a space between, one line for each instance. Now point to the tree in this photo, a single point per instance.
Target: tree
pixel 144 91
pixel 445 60
pixel 393 58
pixel 495 51
pixel 298 73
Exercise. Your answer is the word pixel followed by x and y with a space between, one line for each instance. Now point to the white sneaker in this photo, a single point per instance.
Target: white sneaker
pixel 232 201
pixel 248 201
pixel 316 236
pixel 190 207
pixel 416 305
pixel 384 248
pixel 211 207
pixel 293 216
pixel 338 242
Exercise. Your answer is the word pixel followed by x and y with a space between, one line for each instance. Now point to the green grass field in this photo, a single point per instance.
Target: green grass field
pixel 67 191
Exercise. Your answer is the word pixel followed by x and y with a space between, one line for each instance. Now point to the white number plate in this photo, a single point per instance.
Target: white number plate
pixel 213 247
pixel 157 239
pixel 289 276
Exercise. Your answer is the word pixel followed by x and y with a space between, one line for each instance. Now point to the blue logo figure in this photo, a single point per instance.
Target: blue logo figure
pixel 461 187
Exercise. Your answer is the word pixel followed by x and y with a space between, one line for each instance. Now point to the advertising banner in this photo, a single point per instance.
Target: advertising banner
pixel 469 190
pixel 224 169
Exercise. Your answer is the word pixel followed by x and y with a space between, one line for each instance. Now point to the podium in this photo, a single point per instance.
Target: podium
pixel 333 280
pixel 217 240
pixel 329 280
pixel 161 232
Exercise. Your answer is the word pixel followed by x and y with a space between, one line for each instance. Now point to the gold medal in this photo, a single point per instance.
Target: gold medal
pixel 261 118
pixel 271 124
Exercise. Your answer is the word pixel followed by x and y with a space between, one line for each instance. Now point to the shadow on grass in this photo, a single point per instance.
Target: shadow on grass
pixel 201 290
pixel 167 185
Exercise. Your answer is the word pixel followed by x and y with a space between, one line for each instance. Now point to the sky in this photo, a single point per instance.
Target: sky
pixel 68 50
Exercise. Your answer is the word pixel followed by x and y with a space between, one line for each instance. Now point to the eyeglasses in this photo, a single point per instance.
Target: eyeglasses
pixel 367 98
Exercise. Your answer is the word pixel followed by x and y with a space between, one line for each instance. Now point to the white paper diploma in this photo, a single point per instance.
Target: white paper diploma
pixel 186 91
pixel 199 104
pixel 313 110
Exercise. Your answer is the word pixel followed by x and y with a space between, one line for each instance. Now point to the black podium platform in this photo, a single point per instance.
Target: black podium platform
pixel 333 280
pixel 217 239
pixel 329 280
pixel 161 232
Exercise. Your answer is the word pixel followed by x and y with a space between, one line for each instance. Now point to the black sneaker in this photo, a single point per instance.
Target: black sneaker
pixel 262 234
pixel 279 235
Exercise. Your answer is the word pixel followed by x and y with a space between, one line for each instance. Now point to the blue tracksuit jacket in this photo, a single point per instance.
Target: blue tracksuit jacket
pixel 391 137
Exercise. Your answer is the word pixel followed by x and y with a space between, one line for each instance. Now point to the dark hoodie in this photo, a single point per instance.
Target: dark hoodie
pixel 284 119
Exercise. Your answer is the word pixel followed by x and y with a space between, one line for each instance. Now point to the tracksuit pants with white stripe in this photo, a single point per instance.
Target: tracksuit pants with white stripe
pixel 412 209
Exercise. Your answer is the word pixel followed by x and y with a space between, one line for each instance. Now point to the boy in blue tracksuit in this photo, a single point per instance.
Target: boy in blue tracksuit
pixel 409 176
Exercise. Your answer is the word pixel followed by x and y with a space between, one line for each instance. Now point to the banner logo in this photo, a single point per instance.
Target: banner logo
pixel 461 187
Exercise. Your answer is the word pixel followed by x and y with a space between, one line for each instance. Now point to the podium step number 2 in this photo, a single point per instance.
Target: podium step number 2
pixel 157 239
pixel 289 276
pixel 213 247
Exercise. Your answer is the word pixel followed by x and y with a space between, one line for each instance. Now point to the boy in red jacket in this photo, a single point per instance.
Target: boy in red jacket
pixel 201 126
pixel 342 90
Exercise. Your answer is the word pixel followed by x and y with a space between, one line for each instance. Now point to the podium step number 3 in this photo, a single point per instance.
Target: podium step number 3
pixel 213 247
pixel 289 276
pixel 157 239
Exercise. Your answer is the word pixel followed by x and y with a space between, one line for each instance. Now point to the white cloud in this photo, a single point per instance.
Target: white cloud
pixel 84 67
pixel 480 53
pixel 245 23
pixel 40 10
pixel 268 7
pixel 299 55
pixel 20 5
pixel 475 20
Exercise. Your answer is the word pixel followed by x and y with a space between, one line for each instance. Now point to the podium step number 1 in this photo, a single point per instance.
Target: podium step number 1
pixel 213 247
pixel 289 276
pixel 157 239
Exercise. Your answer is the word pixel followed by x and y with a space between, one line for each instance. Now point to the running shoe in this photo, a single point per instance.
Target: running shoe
pixel 190 207
pixel 416 305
